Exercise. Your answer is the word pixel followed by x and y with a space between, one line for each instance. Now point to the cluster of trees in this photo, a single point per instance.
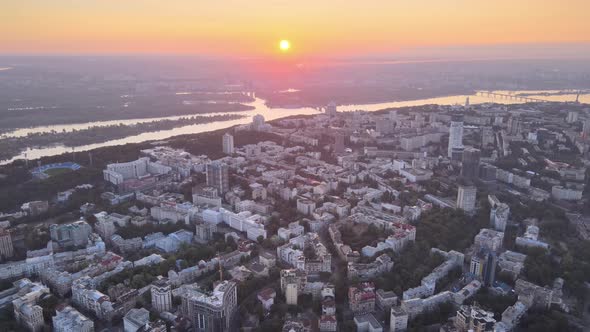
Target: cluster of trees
pixel 36 239
pixel 540 268
pixel 187 255
pixel 210 143
pixel 49 303
pixel 132 231
pixel 8 322
pixel 309 251
pixel 388 197
pixel 511 161
pixel 147 106
pixel 140 276
pixel 409 197
pixel 414 263
pixel 191 255
pixel 436 315
pixel 357 236
pixel 5 284
pixel 569 257
pixel 276 318
pixel 137 277
pixel 287 212
pixel 449 229
pixel 445 229
pixel 493 302
pixel 253 284
pixel 547 321
pixel 573 265
pixel 18 188
pixel 447 281
pixel 435 187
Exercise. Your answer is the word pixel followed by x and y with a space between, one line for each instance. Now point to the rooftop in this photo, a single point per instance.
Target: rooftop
pixel 214 298
pixel 367 319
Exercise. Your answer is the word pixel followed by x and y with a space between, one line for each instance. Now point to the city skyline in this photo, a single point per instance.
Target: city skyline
pixel 295 166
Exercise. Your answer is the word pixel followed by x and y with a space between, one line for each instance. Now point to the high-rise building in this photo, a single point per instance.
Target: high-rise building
pixel 393 117
pixel 586 129
pixel 418 121
pixel 572 117
pixel 499 214
pixel 483 266
pixel 331 109
pixel 338 143
pixel 74 234
pixel 218 176
pixel 258 122
pixel 161 295
pixel 398 319
pixel 204 231
pixel 210 312
pixel 514 125
pixel 498 120
pixel 291 293
pixel 487 136
pixel 105 228
pixel 455 135
pixel 488 172
pixel 228 143
pixel 384 125
pixel 488 239
pixel 466 198
pixel 68 319
pixel 6 248
pixel 470 165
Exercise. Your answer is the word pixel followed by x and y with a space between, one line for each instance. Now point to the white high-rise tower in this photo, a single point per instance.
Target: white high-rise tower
pixel 466 198
pixel 161 295
pixel 331 109
pixel 228 144
pixel 455 134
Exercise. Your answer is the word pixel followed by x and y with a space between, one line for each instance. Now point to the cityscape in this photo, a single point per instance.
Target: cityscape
pixel 149 184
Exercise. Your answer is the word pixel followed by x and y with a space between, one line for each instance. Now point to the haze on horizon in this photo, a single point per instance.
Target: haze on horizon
pixel 328 28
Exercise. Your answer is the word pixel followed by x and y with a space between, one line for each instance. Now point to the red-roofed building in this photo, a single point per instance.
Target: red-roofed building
pixel 362 298
pixel 267 297
pixel 327 323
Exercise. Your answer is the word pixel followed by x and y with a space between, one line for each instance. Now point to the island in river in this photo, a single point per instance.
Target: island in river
pixel 11 146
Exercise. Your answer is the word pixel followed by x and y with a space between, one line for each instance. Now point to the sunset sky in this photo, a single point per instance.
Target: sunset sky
pixel 246 28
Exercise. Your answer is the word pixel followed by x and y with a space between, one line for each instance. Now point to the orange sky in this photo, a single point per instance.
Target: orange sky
pixel 254 27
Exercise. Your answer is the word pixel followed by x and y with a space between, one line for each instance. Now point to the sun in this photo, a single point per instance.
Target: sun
pixel 284 45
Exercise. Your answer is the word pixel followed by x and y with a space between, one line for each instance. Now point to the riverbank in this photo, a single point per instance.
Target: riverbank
pixel 355 95
pixel 131 109
pixel 259 106
pixel 9 147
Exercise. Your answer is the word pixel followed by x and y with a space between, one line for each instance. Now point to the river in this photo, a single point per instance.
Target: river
pixel 259 108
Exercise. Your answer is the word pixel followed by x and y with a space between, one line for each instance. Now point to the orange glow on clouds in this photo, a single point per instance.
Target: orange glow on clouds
pixel 252 28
